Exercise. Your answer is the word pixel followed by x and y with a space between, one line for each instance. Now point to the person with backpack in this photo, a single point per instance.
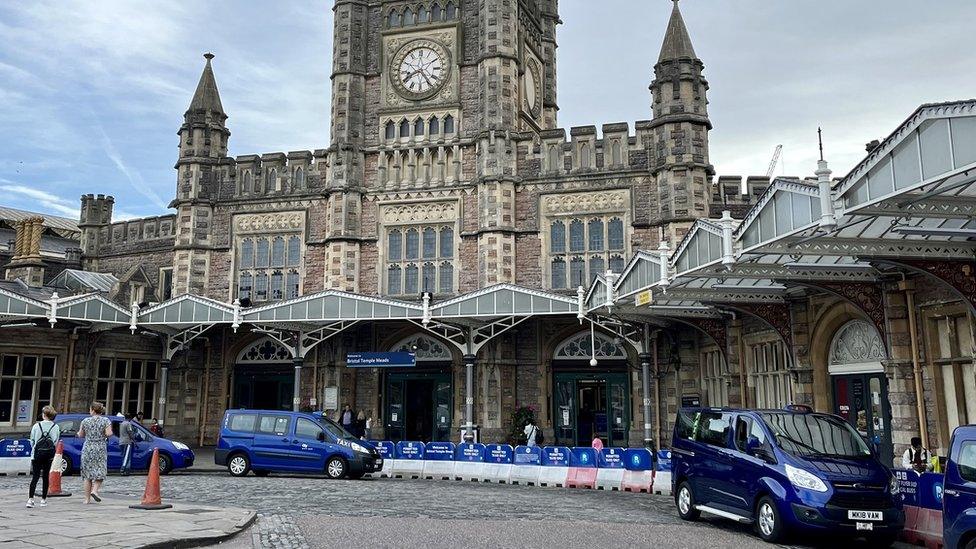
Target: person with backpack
pixel 44 437
pixel 126 441
pixel 532 434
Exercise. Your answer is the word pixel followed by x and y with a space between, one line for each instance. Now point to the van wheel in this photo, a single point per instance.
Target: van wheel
pixel 768 522
pixel 971 544
pixel 685 500
pixel 65 466
pixel 238 465
pixel 335 467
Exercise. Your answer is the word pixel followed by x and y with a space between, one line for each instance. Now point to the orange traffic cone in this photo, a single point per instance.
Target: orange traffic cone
pixel 54 477
pixel 151 498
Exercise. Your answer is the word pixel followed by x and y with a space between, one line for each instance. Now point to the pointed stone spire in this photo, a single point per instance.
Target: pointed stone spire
pixel 677 43
pixel 207 98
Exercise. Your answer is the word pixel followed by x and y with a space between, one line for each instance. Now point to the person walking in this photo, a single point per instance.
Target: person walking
pixel 126 441
pixel 531 430
pixel 347 418
pixel 360 424
pixel 44 437
pixel 156 429
pixel 95 429
pixel 368 435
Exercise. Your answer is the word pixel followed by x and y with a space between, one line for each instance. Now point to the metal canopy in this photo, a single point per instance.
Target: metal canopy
pixel 786 208
pixel 187 310
pixel 16 306
pixel 331 306
pixel 504 300
pixel 702 246
pixel 93 308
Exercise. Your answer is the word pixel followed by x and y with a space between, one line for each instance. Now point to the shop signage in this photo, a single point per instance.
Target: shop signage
pixel 643 298
pixel 381 360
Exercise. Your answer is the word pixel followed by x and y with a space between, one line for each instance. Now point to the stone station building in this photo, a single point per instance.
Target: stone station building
pixel 451 217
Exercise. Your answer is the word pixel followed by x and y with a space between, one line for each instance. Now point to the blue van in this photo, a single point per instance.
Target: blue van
pixel 783 471
pixel 172 454
pixel 269 440
pixel 959 491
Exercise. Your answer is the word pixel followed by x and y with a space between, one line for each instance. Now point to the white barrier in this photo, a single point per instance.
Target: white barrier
pixel 439 469
pixel 662 483
pixel 554 477
pixel 609 479
pixel 15 465
pixel 526 475
pixel 497 472
pixel 385 472
pixel 408 468
pixel 469 470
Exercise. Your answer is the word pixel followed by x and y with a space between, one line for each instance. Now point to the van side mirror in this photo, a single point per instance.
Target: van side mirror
pixel 755 448
pixel 321 436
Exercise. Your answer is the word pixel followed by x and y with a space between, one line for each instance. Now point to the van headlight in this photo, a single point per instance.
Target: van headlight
pixel 894 486
pixel 359 448
pixel 805 479
pixel 180 446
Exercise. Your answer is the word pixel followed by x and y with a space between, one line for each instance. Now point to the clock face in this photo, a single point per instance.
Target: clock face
pixel 420 69
pixel 533 100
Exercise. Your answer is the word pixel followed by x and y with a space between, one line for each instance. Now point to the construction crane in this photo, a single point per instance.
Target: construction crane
pixel 773 162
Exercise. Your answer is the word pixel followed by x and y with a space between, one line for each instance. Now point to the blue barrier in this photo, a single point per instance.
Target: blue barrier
pixel 467 451
pixel 556 456
pixel 637 459
pixel 527 455
pixel 583 457
pixel 611 458
pixel 498 453
pixel 15 448
pixel 663 460
pixel 385 448
pixel 409 450
pixel 439 451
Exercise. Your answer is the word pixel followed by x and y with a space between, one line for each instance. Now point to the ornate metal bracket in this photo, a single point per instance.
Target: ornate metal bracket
pixel 959 274
pixel 866 296
pixel 776 315
pixel 715 328
pixel 179 341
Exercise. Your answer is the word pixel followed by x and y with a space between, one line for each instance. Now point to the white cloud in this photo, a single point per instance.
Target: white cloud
pixel 132 174
pixel 42 201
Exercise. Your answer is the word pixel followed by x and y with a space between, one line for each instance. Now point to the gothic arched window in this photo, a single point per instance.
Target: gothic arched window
pixel 596 266
pixel 277 285
pixel 393 275
pixel 246 182
pixel 596 235
pixel 247 253
pixel 434 126
pixel 292 285
pixel 430 242
pixel 584 156
pixel 554 163
pixel 422 15
pixel 395 245
pixel 451 10
pixel 278 252
pixel 558 273
pixel 435 12
pixel 448 124
pixel 411 279
pixel 447 243
pixel 272 183
pixel 429 273
pixel 408 17
pixel 577 242
pixel 413 244
pixel 299 178
pixel 244 286
pixel 577 272
pixel 394 18
pixel 418 126
pixel 294 251
pixel 263 253
pixel 617 264
pixel 557 237
pixel 447 278
pixel 261 287
pixel 404 128
pixel 390 130
pixel 616 153
pixel 615 234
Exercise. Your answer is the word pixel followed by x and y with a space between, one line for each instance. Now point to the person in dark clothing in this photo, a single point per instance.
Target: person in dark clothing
pixel 44 437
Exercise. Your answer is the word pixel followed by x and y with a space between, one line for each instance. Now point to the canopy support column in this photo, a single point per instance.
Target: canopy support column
pixel 164 365
pixel 469 398
pixel 298 362
pixel 645 361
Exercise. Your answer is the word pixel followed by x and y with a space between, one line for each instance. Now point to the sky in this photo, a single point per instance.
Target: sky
pixel 92 93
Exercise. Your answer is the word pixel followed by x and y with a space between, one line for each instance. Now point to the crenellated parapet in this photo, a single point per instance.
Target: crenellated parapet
pixel 582 150
pixel 137 235
pixel 278 174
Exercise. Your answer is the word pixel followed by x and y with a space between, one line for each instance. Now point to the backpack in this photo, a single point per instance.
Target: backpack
pixel 538 437
pixel 44 449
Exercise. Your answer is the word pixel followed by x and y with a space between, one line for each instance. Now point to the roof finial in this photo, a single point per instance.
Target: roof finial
pixel 208 56
pixel 820 141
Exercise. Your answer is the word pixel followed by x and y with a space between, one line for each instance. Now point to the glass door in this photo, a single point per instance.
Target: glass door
pixel 565 412
pixel 618 410
pixel 394 409
pixel 418 406
pixel 862 400
pixel 443 400
pixel 589 406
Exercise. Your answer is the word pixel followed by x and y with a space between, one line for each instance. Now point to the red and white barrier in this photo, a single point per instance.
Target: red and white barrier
pixel 637 481
pixel 581 477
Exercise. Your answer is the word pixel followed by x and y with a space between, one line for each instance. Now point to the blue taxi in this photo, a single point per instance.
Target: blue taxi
pixel 172 455
pixel 785 472
pixel 959 491
pixel 265 441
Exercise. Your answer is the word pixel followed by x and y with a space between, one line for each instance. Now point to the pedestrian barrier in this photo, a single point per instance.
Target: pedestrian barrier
pixel 610 474
pixel 662 473
pixel 387 451
pixel 469 461
pixel 526 466
pixel 439 461
pixel 638 476
pixel 498 463
pixel 582 468
pixel 15 456
pixel 409 460
pixel 555 466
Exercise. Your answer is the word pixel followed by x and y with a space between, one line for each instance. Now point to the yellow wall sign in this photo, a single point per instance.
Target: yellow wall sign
pixel 643 298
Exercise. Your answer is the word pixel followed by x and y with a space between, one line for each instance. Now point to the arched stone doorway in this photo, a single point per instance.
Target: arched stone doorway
pixel 860 388
pixel 590 401
pixel 418 402
pixel 263 376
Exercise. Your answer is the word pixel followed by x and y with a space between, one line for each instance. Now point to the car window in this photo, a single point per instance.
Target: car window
pixel 243 422
pixel 684 427
pixel 115 428
pixel 713 428
pixel 273 425
pixel 967 461
pixel 745 427
pixel 69 427
pixel 305 428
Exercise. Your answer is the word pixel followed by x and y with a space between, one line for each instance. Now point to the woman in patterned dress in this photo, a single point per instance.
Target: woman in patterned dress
pixel 95 429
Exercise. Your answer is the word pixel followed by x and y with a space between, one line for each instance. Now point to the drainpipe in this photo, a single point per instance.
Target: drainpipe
pixel 908 288
pixel 740 349
pixel 657 393
pixel 69 369
pixel 163 379
pixel 645 360
pixel 202 422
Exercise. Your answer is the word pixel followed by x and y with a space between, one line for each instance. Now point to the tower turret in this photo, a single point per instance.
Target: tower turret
pixel 680 130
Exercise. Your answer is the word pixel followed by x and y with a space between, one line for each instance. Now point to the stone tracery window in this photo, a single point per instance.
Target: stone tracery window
pixel 406 274
pixel 579 347
pixel 269 267
pixel 426 349
pixel 591 247
pixel 264 351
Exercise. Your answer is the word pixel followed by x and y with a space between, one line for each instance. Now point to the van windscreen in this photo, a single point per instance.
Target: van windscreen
pixel 334 429
pixel 814 435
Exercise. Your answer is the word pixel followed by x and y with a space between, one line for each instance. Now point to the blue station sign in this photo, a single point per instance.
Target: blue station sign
pixel 15 448
pixel 381 360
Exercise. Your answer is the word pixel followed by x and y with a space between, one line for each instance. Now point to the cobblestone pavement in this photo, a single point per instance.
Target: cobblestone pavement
pixel 309 512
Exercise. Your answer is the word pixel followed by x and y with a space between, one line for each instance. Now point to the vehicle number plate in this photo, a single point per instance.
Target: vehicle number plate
pixel 865 526
pixel 865 515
